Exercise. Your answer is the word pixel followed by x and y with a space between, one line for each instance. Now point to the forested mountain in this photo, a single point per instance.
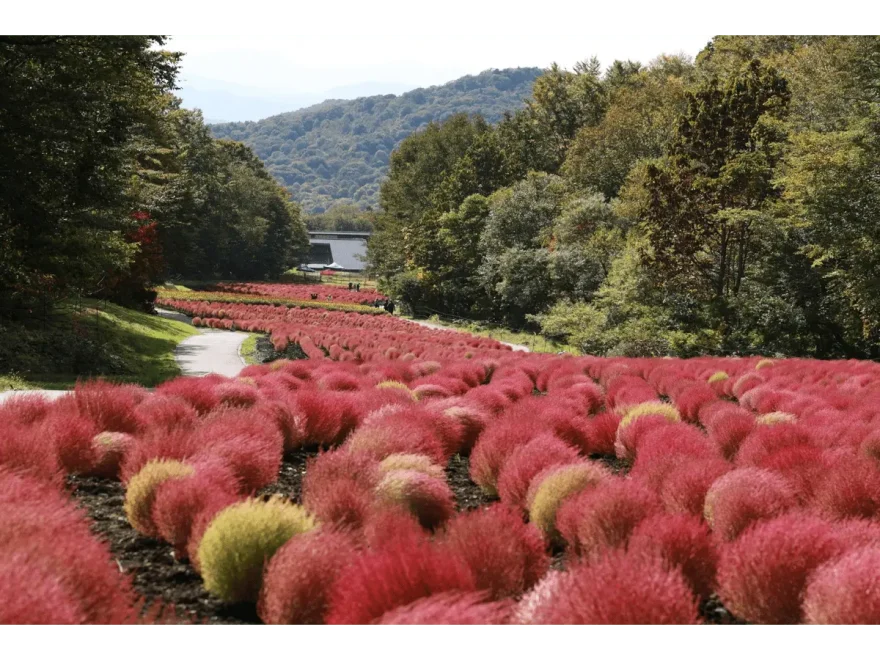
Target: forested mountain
pixel 337 152
pixel 726 205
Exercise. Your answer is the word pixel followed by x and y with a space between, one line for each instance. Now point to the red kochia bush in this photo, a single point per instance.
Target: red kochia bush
pixel 165 413
pixel 506 554
pixel 394 576
pixel 683 542
pixel 762 575
pixel 299 578
pixel 49 532
pixel 175 445
pixel 338 485
pixel 112 407
pixel 802 465
pixel 849 489
pixel 745 496
pixel 449 609
pixel 527 461
pixel 30 451
pixel 249 443
pixel 684 487
pixel 392 526
pixel 30 594
pixel 601 432
pixel 198 392
pixel 407 431
pixel 178 502
pixel 23 409
pixel 728 426
pixel 766 439
pixel 846 591
pixel 427 498
pixel 327 416
pixel 667 446
pixel 692 399
pixel 601 518
pixel 618 589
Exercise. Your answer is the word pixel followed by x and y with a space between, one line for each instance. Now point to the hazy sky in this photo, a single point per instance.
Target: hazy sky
pixel 315 63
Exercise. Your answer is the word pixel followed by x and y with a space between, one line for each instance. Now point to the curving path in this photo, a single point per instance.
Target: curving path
pixel 434 326
pixel 209 352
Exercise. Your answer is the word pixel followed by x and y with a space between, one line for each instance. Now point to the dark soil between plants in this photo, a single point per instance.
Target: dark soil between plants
pixel 158 575
pixel 265 352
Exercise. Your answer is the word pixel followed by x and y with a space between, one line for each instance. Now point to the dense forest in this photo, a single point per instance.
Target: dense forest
pixel 107 185
pixel 337 152
pixel 726 205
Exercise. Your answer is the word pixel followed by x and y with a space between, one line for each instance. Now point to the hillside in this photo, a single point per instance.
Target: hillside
pixel 337 151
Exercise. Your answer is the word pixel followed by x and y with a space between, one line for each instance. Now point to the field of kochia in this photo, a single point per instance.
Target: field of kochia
pixel 612 490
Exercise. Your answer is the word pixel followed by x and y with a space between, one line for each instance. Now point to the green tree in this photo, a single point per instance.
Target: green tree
pixel 69 110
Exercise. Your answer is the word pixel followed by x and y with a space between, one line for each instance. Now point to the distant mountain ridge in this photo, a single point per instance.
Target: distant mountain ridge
pixel 337 152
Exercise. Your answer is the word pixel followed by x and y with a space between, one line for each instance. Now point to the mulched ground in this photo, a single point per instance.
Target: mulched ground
pixel 157 574
pixel 265 352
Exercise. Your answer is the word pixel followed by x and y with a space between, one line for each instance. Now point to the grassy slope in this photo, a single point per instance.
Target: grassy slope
pixel 535 342
pixel 249 349
pixel 116 343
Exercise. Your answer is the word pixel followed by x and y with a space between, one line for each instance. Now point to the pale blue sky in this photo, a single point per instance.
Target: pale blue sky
pixel 236 78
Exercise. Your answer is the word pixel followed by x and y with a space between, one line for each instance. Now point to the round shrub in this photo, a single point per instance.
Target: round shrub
pixel 449 609
pixel 141 491
pixel 526 461
pixel 416 462
pixel 745 496
pixel 428 499
pixel 241 539
pixel 550 488
pixel 684 486
pixel 617 589
pixel 505 554
pixel 109 449
pixel 845 591
pixel 762 575
pixel 299 577
pixel 601 518
pixel 849 489
pixel 683 542
pixel 396 575
pixel 637 422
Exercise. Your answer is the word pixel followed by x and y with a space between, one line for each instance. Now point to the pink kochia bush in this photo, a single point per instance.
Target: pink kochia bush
pixel 617 589
pixel 45 539
pixel 681 541
pixel 248 442
pixel 505 554
pixel 603 517
pixel 743 497
pixel 298 580
pixel 527 461
pixel 449 609
pixel 846 591
pixel 396 575
pixel 762 575
pixel 338 486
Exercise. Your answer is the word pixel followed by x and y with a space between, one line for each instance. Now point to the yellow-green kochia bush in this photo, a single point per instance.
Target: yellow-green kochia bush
pixel 717 377
pixel 141 491
pixel 241 540
pixel 551 487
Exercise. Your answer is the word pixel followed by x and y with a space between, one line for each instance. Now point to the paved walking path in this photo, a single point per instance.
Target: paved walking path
pixel 210 351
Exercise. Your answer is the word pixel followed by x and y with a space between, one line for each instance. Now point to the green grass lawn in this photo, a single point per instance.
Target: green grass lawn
pixel 249 349
pixel 92 339
pixel 536 343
